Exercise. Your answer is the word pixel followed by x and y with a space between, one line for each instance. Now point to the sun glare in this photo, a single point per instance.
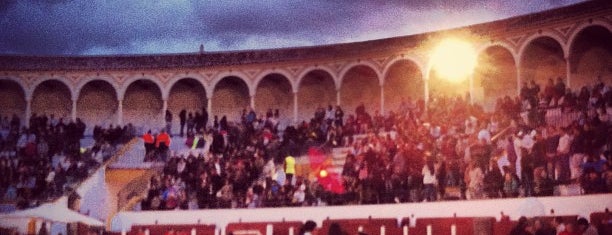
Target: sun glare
pixel 454 60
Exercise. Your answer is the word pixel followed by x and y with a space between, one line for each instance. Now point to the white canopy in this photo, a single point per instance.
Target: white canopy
pixel 55 213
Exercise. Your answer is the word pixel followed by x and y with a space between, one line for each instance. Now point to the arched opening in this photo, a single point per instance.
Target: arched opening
pixel 97 104
pixel 52 97
pixel 186 94
pixel 494 76
pixel 142 105
pixel 591 57
pixel 12 100
pixel 274 92
pixel 360 85
pixel 542 60
pixel 404 82
pixel 230 97
pixel 316 89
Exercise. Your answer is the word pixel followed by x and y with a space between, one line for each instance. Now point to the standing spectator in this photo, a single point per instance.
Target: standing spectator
pixel 168 122
pixel 429 181
pixel 204 118
pixel 162 143
pixel 190 123
pixel 183 120
pixel 149 144
pixel 290 168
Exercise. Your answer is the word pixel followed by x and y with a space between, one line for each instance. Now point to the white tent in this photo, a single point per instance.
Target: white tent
pixel 54 213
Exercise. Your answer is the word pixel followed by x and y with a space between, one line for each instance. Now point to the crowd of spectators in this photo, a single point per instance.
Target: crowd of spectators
pixel 46 160
pixel 446 149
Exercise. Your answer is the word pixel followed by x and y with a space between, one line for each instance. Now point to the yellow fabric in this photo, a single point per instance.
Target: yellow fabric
pixel 290 165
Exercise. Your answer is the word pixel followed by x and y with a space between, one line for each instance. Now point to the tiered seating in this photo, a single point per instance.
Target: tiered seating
pixel 368 226
pixel 462 225
pixel 161 229
pixel 278 228
pixel 504 226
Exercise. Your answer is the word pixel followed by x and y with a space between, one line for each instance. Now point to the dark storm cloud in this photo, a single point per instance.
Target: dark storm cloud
pixel 162 26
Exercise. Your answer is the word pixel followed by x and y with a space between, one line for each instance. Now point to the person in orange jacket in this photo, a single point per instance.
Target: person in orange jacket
pixel 149 143
pixel 162 143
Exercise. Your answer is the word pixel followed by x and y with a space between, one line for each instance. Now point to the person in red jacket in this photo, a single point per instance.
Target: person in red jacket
pixel 149 144
pixel 162 143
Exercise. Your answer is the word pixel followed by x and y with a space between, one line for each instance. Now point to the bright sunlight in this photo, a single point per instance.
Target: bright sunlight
pixel 454 60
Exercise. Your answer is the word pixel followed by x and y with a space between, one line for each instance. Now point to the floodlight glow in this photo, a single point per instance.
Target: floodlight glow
pixel 454 60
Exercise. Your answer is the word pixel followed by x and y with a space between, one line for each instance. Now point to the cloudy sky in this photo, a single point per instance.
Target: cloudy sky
pixel 93 27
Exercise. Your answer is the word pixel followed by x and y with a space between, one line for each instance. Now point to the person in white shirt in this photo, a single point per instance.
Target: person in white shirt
pixel 563 151
pixel 484 134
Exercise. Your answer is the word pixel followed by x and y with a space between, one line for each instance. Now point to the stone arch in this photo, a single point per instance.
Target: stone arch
pixel 230 96
pixel 578 29
pixel 178 77
pixel 128 82
pixel 556 36
pixel 512 50
pixel 12 99
pixel 403 81
pixel 590 56
pixel 316 89
pixel 186 93
pixel 142 105
pixel 360 84
pixel 238 74
pixel 62 80
pixel 350 66
pixel 319 68
pixel 275 91
pixel 494 75
pixel 542 58
pixel 52 97
pixel 97 103
pixel 281 72
pixel 23 86
pixel 403 58
pixel 85 80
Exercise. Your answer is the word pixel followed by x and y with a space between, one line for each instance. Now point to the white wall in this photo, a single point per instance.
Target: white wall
pixel 574 205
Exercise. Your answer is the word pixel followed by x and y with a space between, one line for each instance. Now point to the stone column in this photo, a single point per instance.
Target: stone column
pixel 74 110
pixel 164 109
pixel 426 92
pixel 518 80
pixel 252 102
pixel 338 97
pixel 382 99
pixel 295 107
pixel 568 69
pixel 209 107
pixel 120 112
pixel 28 113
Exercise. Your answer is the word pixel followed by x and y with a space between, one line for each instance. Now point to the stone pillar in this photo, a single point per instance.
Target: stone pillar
pixel 426 92
pixel 120 112
pixel 164 109
pixel 74 110
pixel 295 107
pixel 252 102
pixel 209 107
pixel 338 97
pixel 568 69
pixel 28 113
pixel 518 80
pixel 382 99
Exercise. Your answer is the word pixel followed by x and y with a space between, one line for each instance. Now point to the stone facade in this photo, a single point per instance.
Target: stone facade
pixel 571 42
